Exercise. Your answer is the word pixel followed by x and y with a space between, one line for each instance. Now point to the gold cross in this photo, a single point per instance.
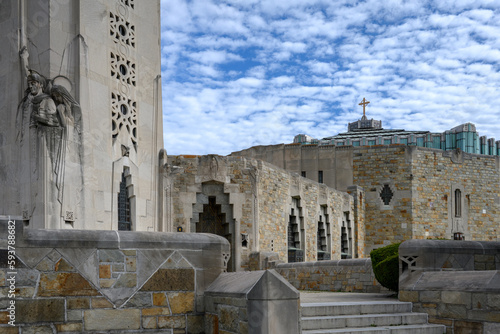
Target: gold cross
pixel 364 103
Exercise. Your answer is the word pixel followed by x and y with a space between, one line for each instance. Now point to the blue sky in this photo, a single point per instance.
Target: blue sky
pixel 240 73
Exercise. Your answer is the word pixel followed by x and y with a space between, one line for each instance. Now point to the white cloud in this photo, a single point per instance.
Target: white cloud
pixel 242 73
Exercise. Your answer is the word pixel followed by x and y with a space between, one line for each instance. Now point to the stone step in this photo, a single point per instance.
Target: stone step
pixel 363 320
pixel 346 308
pixel 405 329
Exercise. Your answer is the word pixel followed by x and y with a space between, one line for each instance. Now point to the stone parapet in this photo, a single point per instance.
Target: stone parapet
pixel 354 275
pixel 457 283
pixel 105 281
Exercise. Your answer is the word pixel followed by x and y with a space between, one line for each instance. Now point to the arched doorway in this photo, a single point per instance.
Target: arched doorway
pixel 212 213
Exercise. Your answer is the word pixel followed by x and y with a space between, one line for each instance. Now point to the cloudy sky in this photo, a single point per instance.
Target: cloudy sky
pixel 240 73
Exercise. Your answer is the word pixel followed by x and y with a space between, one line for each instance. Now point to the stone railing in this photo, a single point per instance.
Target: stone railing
pixel 354 275
pixel 456 282
pixel 105 281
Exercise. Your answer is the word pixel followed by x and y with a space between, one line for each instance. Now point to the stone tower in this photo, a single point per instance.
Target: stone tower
pixel 81 117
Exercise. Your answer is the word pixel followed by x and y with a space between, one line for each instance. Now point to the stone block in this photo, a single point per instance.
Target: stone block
pixel 195 324
pixel 491 328
pixel 172 322
pixel 430 296
pixel 118 267
pixel 465 327
pixel 408 296
pixel 140 299
pixel 228 318
pixel 69 327
pixel 63 265
pixel 64 284
pixel 181 302
pixel 160 299
pixel 149 322
pixel 101 302
pixel 103 319
pixel 147 312
pixel 171 280
pixel 494 301
pixel 45 265
pixel 9 330
pixel 110 255
pixel 106 283
pixel 452 311
pixel 483 315
pixel 104 271
pixel 131 264
pixel 479 301
pixel 78 303
pixel 37 330
pixel 456 297
pixel 38 310
pixel 129 252
pixel 74 315
pixel 126 280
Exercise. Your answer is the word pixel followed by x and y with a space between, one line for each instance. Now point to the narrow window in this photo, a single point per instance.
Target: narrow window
pixel 303 173
pixel 320 176
pixel 458 203
pixel 123 207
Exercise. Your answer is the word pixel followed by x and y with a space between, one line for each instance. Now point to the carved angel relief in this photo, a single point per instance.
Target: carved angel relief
pixel 49 125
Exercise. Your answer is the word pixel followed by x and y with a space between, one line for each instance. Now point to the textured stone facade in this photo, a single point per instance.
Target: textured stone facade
pixel 354 275
pixel 255 202
pixel 106 54
pixel 457 283
pixel 106 282
pixel 409 192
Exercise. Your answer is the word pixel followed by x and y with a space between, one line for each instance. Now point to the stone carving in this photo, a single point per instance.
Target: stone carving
pixel 49 134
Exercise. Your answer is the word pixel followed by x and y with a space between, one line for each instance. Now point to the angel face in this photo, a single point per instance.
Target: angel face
pixel 57 97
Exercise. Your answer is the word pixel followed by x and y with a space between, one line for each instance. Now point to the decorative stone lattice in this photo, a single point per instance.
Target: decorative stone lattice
pixel 409 262
pixel 129 3
pixel 123 69
pixel 124 115
pixel 121 30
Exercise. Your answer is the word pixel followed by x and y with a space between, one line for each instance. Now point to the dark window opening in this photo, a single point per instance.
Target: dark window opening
pixel 320 176
pixel 458 203
pixel 386 194
pixel 124 223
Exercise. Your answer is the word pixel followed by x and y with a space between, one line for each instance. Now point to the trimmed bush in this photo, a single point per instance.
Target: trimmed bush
pixel 385 263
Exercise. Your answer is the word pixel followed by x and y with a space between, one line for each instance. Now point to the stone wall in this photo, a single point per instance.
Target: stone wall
pixel 436 176
pixel 106 281
pixel 418 185
pixel 354 275
pixel 389 168
pixel 257 198
pixel 457 283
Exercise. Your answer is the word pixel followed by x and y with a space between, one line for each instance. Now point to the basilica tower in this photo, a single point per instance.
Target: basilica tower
pixel 81 117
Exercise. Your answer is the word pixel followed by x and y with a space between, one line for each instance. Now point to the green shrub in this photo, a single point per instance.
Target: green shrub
pixel 385 263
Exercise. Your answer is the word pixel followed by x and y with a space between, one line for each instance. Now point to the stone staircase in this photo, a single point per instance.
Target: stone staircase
pixel 374 317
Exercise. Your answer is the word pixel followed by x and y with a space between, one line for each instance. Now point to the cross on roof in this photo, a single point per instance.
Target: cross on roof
pixel 364 103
